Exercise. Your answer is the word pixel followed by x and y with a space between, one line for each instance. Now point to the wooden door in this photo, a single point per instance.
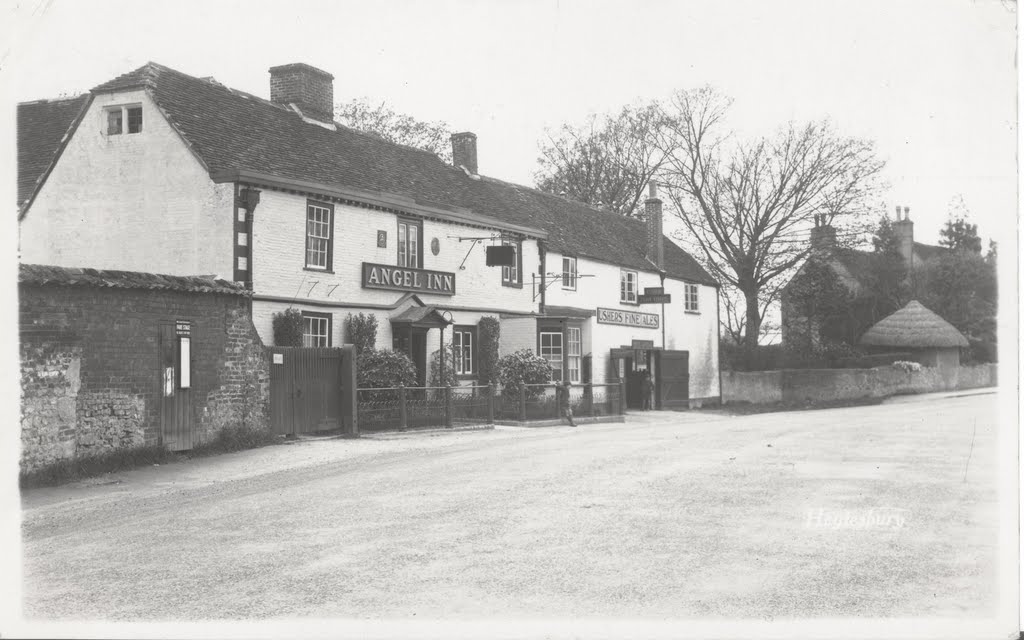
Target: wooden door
pixel 305 389
pixel 176 431
pixel 672 389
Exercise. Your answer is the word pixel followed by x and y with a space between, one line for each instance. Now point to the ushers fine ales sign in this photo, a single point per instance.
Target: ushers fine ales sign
pixel 385 276
pixel 628 318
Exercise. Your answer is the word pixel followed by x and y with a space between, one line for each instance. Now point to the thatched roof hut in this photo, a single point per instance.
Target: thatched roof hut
pixel 914 326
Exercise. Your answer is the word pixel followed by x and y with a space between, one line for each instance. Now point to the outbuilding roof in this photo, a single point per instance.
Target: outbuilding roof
pixel 231 131
pixel 913 326
pixel 44 275
pixel 44 127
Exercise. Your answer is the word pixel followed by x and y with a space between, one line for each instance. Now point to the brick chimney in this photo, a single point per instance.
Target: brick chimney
pixel 311 89
pixel 823 236
pixel 464 151
pixel 652 217
pixel 904 229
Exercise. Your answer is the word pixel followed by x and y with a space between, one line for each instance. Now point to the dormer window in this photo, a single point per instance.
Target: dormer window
pixel 124 119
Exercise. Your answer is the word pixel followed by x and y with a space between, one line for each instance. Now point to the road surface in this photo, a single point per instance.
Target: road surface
pixel 888 510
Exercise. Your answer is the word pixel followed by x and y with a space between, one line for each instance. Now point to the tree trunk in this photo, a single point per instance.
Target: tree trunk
pixel 753 327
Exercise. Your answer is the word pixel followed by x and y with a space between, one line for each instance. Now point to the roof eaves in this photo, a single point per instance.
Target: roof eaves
pixel 379 199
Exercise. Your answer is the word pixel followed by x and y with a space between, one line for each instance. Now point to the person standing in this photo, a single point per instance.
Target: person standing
pixel 563 401
pixel 647 389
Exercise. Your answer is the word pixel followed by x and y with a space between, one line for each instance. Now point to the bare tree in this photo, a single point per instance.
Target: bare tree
pixel 387 123
pixel 749 205
pixel 607 162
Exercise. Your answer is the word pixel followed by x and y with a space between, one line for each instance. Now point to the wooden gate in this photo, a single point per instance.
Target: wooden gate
pixel 673 380
pixel 175 386
pixel 311 389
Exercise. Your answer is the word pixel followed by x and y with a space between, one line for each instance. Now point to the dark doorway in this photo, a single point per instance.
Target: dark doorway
pixel 418 353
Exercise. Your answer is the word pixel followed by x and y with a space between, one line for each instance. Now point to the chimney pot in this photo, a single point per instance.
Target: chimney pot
pixel 311 89
pixel 906 213
pixel 899 211
pixel 464 151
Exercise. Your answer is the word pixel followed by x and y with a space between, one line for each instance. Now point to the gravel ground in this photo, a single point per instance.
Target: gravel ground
pixel 668 515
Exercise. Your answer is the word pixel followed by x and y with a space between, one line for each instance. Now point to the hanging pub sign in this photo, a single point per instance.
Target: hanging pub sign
pixel 386 276
pixel 500 255
pixel 628 318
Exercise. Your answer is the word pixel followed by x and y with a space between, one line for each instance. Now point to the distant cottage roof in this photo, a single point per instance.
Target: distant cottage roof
pixel 858 262
pixel 231 131
pixel 37 274
pixel 44 127
pixel 913 326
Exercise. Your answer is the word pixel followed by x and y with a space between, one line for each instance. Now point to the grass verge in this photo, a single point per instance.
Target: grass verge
pixel 80 467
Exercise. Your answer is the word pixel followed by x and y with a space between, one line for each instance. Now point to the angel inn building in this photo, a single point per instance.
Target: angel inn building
pixel 157 171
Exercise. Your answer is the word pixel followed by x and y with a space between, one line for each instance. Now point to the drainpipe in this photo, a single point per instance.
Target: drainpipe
pixel 542 250
pixel 664 345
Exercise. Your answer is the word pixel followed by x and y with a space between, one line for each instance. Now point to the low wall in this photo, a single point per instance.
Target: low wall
pixel 821 385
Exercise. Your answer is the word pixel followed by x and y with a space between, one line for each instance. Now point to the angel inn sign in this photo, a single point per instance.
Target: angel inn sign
pixel 384 276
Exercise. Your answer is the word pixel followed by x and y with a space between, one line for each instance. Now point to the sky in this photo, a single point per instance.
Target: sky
pixel 932 82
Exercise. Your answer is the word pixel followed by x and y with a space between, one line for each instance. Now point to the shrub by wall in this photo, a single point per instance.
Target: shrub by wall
pixel 523 367
pixel 288 328
pixel 489 336
pixel 361 330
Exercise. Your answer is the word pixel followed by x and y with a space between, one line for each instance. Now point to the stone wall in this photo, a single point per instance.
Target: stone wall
pixel 824 385
pixel 90 369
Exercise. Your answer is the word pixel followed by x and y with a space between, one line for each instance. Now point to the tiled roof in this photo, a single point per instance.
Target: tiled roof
pixel 858 263
pixel 43 127
pixel 231 130
pixel 38 274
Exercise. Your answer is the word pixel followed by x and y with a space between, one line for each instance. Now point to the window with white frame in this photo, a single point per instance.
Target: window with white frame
pixel 409 244
pixel 627 286
pixel 574 353
pixel 316 329
pixel 319 236
pixel 511 275
pixel 462 341
pixel 569 272
pixel 124 119
pixel 690 298
pixel 551 350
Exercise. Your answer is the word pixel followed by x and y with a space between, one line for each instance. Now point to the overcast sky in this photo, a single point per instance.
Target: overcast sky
pixel 933 82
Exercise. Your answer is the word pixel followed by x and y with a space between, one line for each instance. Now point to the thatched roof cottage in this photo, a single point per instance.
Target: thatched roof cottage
pixel 915 328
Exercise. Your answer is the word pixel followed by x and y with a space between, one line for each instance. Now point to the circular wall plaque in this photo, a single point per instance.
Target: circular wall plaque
pixel 435 246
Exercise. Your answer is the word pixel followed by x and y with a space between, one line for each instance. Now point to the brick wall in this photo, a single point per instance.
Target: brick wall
pixel 90 369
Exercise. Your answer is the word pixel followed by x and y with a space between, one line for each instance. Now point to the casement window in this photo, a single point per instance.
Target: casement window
pixel 551 350
pixel 574 352
pixel 464 343
pixel 690 298
pixel 410 244
pixel 569 273
pixel 627 286
pixel 125 118
pixel 316 329
pixel 319 236
pixel 511 276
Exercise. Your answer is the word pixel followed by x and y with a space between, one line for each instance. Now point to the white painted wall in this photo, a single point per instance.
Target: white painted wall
pixel 693 332
pixel 137 202
pixel 279 245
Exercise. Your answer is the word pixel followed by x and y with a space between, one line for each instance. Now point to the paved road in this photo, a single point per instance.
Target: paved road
pixel 845 512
